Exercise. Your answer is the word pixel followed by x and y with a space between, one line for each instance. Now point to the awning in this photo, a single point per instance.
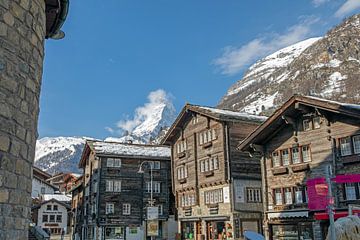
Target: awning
pixel 338 214
pixel 290 214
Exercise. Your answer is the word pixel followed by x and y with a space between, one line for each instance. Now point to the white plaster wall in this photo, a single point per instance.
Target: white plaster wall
pixel 61 210
pixel 36 188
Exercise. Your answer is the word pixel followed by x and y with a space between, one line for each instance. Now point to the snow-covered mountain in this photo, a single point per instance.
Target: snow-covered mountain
pixel 327 67
pixel 62 154
pixel 59 154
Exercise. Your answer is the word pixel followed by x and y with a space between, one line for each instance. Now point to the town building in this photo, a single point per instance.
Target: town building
pixel 24 27
pixel 116 195
pixel 303 142
pixel 64 180
pixel 39 184
pixel 217 188
pixel 76 220
pixel 52 215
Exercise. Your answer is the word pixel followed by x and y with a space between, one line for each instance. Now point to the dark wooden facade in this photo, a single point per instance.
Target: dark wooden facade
pixel 206 167
pixel 116 195
pixel 303 140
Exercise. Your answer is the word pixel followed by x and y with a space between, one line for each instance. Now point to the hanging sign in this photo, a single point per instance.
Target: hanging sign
pixel 317 190
pixel 152 228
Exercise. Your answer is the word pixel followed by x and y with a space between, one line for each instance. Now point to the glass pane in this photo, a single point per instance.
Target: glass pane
pixel 345 146
pixel 295 155
pixel 356 141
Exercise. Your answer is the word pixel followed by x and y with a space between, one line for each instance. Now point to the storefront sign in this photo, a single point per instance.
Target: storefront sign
pixel 226 193
pixel 152 213
pixel 239 192
pixel 351 178
pixel 152 228
pixel 317 190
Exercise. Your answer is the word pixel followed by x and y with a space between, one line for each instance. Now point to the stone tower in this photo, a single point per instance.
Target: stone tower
pixel 24 25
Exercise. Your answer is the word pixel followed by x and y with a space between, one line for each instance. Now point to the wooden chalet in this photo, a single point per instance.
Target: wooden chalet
pixel 116 195
pixel 303 141
pixel 76 220
pixel 217 188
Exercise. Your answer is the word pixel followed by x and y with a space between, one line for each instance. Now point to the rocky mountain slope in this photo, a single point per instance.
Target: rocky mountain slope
pixel 327 67
pixel 62 154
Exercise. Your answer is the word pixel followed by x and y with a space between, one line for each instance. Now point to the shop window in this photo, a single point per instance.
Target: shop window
pixel 114 233
pixel 275 159
pixel 278 196
pixel 345 146
pixel 253 195
pixel 126 209
pixel 109 208
pixel 356 143
pixel 288 196
pixel 295 155
pixel 285 157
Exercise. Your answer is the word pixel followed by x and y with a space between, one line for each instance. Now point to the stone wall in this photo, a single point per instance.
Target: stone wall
pixel 22 30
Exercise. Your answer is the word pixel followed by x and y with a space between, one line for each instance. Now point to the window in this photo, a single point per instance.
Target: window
pixel 306 156
pixel 109 186
pixel 195 120
pixel 295 155
pixel 42 190
pixel 214 196
pixel 156 165
pixel 113 162
pixel 288 196
pixel 181 146
pixel 45 218
pixel 117 186
pixel 55 207
pixel 126 209
pixel 156 187
pixel 356 144
pixel 317 122
pixel 182 172
pixel 307 124
pixel 58 218
pixel 95 185
pixel 109 208
pixel 285 157
pixel 209 164
pixel 207 136
pixel 350 191
pixel 52 218
pixel 187 200
pixel 299 195
pixel 345 146
pixel 275 159
pixel 278 196
pixel 253 194
pixel 161 210
pixel 48 207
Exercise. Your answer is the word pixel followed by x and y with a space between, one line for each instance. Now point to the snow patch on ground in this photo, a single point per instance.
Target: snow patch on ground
pixel 261 104
pixel 334 83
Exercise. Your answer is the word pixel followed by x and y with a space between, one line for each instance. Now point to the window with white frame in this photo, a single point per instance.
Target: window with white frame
pixel 299 196
pixel 86 191
pixel 161 209
pixel 209 164
pixel 276 159
pixel 52 218
pixel 278 196
pixel 295 155
pixel 187 200
pixel 94 186
pixel 317 122
pixel 156 187
pixel 44 218
pixel 113 162
pixel 58 218
pixel 345 146
pixel 195 119
pixel 214 196
pixel 350 191
pixel 182 172
pixel 109 186
pixel 285 157
pixel 126 209
pixel 117 186
pixel 55 207
pixel 109 208
pixel 307 124
pixel 42 190
pixel 253 195
pixel 305 153
pixel 356 144
pixel 288 196
pixel 181 146
pixel 207 136
pixel 93 208
pixel 156 165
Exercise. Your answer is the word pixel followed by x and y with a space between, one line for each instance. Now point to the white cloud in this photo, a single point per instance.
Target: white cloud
pixel 348 7
pixel 233 59
pixel 144 112
pixel 317 3
pixel 110 130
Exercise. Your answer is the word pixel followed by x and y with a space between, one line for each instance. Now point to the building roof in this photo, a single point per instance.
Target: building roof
pixel 67 206
pixel 40 173
pixel 45 182
pixel 218 114
pixel 56 13
pixel 58 197
pixel 130 150
pixel 290 110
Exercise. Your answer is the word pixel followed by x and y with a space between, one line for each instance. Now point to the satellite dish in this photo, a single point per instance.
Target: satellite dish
pixel 250 235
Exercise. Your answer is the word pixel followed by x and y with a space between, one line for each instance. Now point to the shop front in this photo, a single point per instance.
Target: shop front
pixel 218 228
pixel 187 230
pixel 114 233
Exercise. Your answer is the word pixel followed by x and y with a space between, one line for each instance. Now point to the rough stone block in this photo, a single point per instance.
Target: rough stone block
pixel 4 196
pixel 4 142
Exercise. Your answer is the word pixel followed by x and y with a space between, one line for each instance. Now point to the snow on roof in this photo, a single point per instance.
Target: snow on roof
pixel 131 149
pixel 347 105
pixel 59 197
pixel 242 115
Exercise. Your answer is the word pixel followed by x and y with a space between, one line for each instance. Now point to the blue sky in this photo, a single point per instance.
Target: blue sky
pixel 118 51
